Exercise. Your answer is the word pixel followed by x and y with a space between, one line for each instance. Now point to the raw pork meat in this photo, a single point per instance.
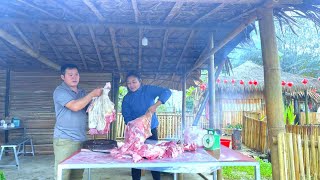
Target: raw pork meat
pixel 136 133
pixel 101 112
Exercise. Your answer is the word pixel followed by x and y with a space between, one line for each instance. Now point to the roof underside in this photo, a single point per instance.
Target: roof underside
pixel 105 36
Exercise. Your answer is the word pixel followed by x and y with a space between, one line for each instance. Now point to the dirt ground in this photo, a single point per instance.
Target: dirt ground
pixel 41 167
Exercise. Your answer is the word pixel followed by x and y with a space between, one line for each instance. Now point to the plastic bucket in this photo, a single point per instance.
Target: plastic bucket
pixel 225 142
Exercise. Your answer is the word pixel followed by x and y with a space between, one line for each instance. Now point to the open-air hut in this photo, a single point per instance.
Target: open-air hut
pixel 243 91
pixel 104 38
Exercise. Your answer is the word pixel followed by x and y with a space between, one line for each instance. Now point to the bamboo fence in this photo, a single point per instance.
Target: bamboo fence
pixel 299 156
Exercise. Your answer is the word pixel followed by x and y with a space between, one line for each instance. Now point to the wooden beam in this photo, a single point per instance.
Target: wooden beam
pixel 135 10
pixel 18 44
pixel 140 49
pixel 93 8
pixel 78 47
pixel 213 11
pixel 242 15
pixel 66 9
pixel 13 10
pixel 174 11
pixel 164 49
pixel 209 1
pixel 38 8
pixel 205 27
pixel 115 48
pixel 53 47
pixel 229 37
pixel 23 37
pixel 192 33
pixel 93 37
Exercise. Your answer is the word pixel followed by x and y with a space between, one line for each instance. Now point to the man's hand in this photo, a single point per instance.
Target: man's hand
pixel 96 92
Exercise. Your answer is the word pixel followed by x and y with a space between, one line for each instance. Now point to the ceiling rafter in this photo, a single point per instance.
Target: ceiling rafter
pixel 204 56
pixel 93 37
pixel 174 11
pixel 13 10
pixel 242 15
pixel 93 8
pixel 191 35
pixel 118 25
pixel 78 46
pixel 163 52
pixel 135 10
pixel 23 37
pixel 18 44
pixel 38 8
pixel 115 48
pixel 66 9
pixel 53 47
pixel 213 11
pixel 140 49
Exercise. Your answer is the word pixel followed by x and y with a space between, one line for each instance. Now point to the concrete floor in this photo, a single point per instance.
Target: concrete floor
pixel 41 167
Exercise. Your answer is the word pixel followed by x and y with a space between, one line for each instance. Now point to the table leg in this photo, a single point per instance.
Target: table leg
pixel 6 136
pixel 214 177
pixel 6 140
pixel 257 172
pixel 59 173
pixel 89 174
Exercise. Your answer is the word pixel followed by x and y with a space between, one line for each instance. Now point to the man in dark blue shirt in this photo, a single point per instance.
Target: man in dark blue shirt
pixel 137 102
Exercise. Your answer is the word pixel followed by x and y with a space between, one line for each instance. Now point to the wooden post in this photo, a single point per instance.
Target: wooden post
pixel 272 80
pixel 183 113
pixel 306 108
pixel 7 95
pixel 115 99
pixel 213 123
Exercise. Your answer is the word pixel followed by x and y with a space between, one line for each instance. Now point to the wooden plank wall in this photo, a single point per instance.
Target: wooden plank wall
pixel 31 101
pixel 2 91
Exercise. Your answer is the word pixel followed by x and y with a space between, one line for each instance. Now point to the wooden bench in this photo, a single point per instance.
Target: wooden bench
pixel 18 147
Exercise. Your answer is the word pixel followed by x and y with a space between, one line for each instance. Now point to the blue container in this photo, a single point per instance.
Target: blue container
pixel 16 122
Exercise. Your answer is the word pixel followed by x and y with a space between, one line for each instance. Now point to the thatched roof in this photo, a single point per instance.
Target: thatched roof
pixel 250 71
pixel 105 36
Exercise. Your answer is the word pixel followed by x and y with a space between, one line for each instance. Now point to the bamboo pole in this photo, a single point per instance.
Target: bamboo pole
pixel 291 166
pixel 314 173
pixel 281 156
pixel 296 156
pixel 273 90
pixel 301 162
pixel 306 155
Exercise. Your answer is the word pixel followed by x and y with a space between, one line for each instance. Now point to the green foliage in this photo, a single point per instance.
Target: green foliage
pixel 237 126
pixel 2 175
pixel 288 115
pixel 247 172
pixel 122 92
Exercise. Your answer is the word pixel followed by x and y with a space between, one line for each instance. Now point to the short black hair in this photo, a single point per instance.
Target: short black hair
pixel 134 74
pixel 67 66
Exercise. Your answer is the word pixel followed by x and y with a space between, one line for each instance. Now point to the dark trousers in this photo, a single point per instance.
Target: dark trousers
pixel 136 173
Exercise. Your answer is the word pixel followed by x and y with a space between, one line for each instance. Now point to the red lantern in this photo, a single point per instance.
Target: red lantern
pixel 218 81
pixel 250 82
pixel 290 84
pixel 304 81
pixel 233 81
pixel 314 90
pixel 203 87
pixel 241 82
pixel 255 82
pixel 283 83
pixel 225 81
